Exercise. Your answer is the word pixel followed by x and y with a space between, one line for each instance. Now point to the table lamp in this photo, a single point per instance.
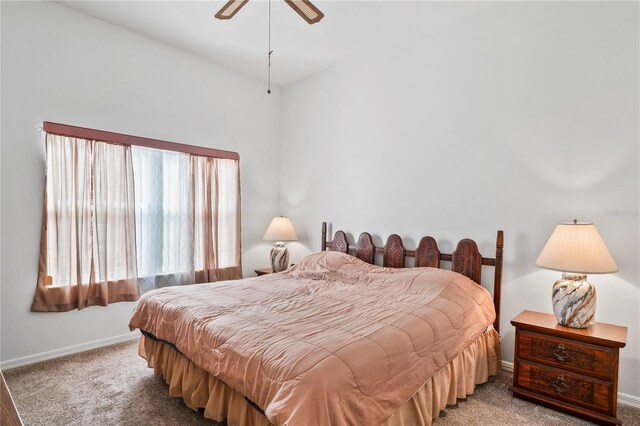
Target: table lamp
pixel 575 249
pixel 280 229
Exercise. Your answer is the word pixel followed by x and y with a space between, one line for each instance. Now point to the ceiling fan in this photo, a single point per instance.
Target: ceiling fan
pixel 305 8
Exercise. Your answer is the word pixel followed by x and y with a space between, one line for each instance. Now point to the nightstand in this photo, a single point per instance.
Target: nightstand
pixel 264 271
pixel 568 369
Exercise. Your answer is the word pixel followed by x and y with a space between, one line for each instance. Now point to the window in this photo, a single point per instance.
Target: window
pixel 164 218
pixel 123 218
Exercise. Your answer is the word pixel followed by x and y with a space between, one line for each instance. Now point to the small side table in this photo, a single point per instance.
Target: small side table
pixel 569 369
pixel 264 271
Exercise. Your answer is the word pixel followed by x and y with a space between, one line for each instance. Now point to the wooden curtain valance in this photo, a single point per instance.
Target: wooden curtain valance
pixel 122 139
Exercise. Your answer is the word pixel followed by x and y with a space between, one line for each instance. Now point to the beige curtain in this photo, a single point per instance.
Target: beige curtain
pixel 106 237
pixel 216 223
pixel 88 246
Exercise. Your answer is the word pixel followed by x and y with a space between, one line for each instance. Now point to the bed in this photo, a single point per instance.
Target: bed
pixel 334 340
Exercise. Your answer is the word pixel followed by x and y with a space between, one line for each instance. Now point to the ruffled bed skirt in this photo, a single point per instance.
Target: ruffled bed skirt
pixel 200 389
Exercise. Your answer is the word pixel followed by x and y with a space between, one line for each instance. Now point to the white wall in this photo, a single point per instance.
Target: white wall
pixel 63 66
pixel 516 119
pixel 521 117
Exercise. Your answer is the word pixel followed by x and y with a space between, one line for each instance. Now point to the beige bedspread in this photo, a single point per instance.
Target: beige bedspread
pixel 331 341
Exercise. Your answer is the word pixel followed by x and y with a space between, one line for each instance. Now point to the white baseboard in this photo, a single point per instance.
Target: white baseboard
pixel 56 353
pixel 630 400
pixel 507 366
pixel 623 398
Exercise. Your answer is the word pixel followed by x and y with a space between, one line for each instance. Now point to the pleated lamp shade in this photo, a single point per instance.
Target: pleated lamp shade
pixel 576 247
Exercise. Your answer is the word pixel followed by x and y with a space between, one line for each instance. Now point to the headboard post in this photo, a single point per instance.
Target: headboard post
pixel 497 279
pixel 324 236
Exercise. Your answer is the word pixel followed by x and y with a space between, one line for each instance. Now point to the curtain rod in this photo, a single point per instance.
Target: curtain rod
pixel 119 138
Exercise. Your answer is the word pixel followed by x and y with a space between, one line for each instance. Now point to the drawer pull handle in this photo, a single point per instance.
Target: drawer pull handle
pixel 560 353
pixel 560 385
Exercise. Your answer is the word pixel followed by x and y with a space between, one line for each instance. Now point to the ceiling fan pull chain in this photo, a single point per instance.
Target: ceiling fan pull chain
pixel 270 52
pixel 304 8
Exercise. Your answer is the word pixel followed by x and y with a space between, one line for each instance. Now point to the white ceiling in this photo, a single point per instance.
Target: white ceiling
pixel 349 29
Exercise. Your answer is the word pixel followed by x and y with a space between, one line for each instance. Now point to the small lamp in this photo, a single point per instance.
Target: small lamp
pixel 575 249
pixel 280 229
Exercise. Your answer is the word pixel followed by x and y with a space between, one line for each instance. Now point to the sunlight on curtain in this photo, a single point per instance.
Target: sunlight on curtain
pixel 228 212
pixel 217 218
pixel 121 220
pixel 87 253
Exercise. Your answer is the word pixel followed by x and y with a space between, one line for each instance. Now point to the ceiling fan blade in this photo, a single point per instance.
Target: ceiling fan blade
pixel 231 8
pixel 307 10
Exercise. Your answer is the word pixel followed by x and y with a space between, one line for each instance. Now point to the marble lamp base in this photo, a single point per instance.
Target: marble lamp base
pixel 279 257
pixel 574 301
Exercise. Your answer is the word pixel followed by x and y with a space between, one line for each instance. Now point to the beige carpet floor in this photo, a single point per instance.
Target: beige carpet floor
pixel 113 386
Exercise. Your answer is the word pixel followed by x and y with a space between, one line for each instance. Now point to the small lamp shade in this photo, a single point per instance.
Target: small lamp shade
pixel 577 248
pixel 280 229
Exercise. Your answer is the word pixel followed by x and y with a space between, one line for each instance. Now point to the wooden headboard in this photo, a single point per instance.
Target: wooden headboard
pixel 465 259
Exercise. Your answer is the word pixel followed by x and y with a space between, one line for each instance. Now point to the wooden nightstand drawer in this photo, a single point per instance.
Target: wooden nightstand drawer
pixel 575 388
pixel 569 369
pixel 577 357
